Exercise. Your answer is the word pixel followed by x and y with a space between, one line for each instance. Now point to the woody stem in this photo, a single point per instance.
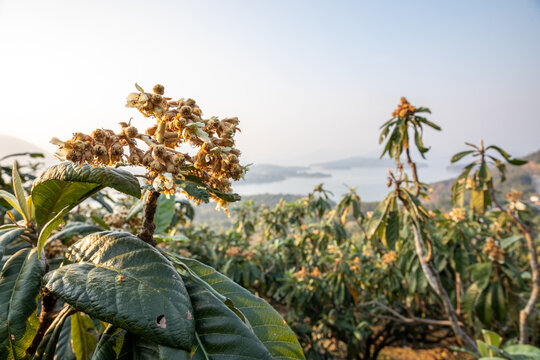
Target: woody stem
pixel 147 232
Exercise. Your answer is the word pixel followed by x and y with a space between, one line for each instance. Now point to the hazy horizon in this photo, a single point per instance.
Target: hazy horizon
pixel 310 81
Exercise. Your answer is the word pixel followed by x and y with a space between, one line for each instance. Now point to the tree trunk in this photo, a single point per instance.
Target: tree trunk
pixel 435 282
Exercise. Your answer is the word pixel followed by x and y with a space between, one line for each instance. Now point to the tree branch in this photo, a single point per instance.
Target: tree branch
pixel 147 231
pixel 48 313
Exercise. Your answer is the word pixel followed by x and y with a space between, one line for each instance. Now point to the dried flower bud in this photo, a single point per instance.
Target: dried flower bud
pixel 186 110
pixel 157 99
pixel 178 159
pixel 159 151
pixel 159 89
pixel 233 159
pixel 116 149
pixel 131 131
pixel 74 155
pixel 151 130
pixel 99 135
pixel 156 166
pixel 99 150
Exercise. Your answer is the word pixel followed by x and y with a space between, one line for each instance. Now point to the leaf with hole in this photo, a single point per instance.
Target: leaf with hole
pixel 119 279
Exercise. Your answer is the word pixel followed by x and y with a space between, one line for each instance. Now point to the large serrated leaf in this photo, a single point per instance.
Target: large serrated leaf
pixel 118 278
pixel 266 322
pixel 20 282
pixel 68 184
pixel 221 333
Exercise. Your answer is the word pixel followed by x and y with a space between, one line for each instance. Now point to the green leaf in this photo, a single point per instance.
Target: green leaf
pixel 379 214
pixel 478 201
pixel 31 154
pixel 8 236
pixel 20 283
pixel 483 307
pixel 49 227
pixel 531 352
pixel 460 155
pixel 419 142
pixel 136 208
pixel 47 347
pixel 470 298
pixel 118 278
pixel 12 200
pixel 491 338
pixel 392 229
pixel 484 172
pixel 229 197
pixel 164 213
pixel 68 184
pixel 428 123
pixel 107 344
pixel 503 153
pixel 72 229
pixel 385 130
pixel 510 240
pixel 19 192
pixel 459 186
pixel 517 162
pixel 194 190
pixel 423 110
pixel 498 302
pixel 266 322
pixel 481 273
pixel 83 336
pixel 64 349
pixel 195 278
pixel 222 333
pixel 139 348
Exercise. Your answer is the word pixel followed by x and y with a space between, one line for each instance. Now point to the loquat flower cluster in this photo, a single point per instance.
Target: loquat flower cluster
pixel 514 198
pixel 404 109
pixel 178 123
pixel 494 251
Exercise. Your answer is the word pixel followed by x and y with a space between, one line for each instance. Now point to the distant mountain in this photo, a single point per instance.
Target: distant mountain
pixel 358 162
pixel 13 145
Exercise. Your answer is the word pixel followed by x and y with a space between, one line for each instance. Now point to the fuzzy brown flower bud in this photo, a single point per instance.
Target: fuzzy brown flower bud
pixel 159 89
pixel 116 149
pixel 99 150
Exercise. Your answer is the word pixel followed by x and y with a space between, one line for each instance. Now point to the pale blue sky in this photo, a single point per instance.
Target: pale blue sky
pixel 309 80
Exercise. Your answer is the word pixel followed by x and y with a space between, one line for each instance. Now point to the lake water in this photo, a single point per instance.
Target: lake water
pixel 370 183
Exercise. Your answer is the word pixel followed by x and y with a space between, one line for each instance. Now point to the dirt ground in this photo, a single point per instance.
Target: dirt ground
pixel 400 353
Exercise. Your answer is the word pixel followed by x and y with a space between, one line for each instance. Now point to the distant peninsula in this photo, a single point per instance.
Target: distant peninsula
pixel 358 162
pixel 268 173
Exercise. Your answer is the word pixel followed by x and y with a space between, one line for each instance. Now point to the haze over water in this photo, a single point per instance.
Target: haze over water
pixel 370 182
